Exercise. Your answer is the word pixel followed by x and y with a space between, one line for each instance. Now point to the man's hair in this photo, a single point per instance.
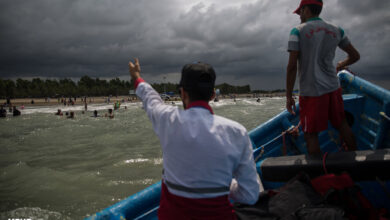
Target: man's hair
pixel 201 93
pixel 198 80
pixel 315 9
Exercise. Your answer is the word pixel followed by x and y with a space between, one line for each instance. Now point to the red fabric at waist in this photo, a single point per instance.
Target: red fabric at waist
pixel 178 207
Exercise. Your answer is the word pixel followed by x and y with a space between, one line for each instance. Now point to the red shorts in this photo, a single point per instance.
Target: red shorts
pixel 176 207
pixel 315 112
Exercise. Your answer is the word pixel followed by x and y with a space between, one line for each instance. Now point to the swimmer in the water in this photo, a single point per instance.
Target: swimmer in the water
pixel 15 111
pixel 71 115
pixel 59 112
pixel 95 114
pixel 110 113
pixel 3 112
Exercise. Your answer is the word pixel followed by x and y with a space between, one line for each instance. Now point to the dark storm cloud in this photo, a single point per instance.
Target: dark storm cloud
pixel 82 36
pixel 245 42
pixel 367 24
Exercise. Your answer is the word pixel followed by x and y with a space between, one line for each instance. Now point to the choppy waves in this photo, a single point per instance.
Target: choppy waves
pixel 33 213
pixel 54 168
pixel 132 105
pixel 91 107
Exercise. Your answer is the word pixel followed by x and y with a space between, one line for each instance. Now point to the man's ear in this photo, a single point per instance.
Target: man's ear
pixel 183 93
pixel 213 96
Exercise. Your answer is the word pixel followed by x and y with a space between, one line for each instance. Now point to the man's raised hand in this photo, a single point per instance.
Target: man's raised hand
pixel 134 69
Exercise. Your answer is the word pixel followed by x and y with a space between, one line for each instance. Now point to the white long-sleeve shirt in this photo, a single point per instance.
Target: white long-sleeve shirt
pixel 202 152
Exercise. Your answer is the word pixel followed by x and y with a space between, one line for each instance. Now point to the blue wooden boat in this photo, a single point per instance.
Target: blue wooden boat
pixel 279 157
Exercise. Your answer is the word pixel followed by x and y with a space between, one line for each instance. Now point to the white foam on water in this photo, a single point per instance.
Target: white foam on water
pixel 137 160
pixel 131 182
pixel 276 98
pixel 91 108
pixel 253 102
pixel 132 105
pixel 222 102
pixel 155 161
pixel 33 213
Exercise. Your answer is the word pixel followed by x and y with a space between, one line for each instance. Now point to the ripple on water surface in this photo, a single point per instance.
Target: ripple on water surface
pixel 57 168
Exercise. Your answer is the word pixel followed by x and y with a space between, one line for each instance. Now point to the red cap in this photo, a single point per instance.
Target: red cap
pixel 308 2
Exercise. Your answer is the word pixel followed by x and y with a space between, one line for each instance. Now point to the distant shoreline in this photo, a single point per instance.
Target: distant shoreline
pixel 55 102
pixel 103 99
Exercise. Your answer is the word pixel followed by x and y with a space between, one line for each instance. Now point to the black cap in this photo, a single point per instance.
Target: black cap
pixel 197 76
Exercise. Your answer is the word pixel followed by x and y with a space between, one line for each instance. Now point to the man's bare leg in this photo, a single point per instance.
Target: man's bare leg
pixel 313 146
pixel 347 136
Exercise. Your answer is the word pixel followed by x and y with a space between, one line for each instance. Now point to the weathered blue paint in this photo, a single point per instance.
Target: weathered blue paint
pixel 142 205
pixel 368 104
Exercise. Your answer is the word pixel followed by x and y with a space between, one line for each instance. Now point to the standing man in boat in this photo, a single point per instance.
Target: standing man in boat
pixel 207 159
pixel 312 45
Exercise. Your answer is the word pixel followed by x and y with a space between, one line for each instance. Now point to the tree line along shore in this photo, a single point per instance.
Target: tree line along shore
pixel 39 89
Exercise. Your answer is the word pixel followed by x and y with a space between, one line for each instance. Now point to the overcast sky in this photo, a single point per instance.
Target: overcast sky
pixel 245 41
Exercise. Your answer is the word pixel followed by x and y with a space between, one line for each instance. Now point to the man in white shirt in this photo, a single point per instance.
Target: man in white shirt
pixel 202 152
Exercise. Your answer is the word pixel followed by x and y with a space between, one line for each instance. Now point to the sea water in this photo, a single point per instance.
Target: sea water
pixel 52 167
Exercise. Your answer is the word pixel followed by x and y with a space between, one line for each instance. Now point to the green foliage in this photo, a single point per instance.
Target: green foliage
pixel 224 88
pixel 7 87
pixel 88 86
pixel 165 87
pixel 228 89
